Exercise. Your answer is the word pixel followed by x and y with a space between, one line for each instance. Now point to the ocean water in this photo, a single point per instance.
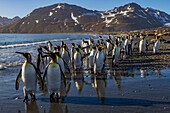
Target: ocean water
pixel 10 43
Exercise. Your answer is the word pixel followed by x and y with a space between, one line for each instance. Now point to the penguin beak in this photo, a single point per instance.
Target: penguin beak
pixel 26 55
pixel 20 53
pixel 52 55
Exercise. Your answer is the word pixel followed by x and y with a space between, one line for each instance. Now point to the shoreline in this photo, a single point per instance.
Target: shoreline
pixel 138 84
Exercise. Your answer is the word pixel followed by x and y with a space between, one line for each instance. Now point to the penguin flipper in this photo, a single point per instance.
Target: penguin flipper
pixel 46 71
pixel 39 75
pixel 62 75
pixel 18 79
pixel 65 64
pixel 42 61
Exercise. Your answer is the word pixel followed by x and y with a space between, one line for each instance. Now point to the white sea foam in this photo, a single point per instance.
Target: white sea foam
pixel 2 67
pixel 29 44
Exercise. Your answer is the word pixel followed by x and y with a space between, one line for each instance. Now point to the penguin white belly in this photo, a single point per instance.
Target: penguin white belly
pixel 91 58
pixel 86 50
pixel 99 61
pixel 65 56
pixel 72 54
pixel 53 78
pixel 29 77
pixel 156 46
pixel 140 46
pixel 61 62
pixel 100 87
pixel 77 61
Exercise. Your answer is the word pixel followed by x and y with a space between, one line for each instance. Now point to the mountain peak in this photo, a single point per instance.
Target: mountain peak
pixel 64 18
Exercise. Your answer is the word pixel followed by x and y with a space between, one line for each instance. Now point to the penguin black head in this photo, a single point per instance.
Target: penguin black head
pixel 94 47
pixel 73 44
pixel 52 55
pixel 100 49
pixel 143 37
pixel 97 45
pixel 77 49
pixel 39 49
pixel 79 46
pixel 98 42
pixel 26 55
pixel 107 40
pixel 109 37
pixel 64 46
pixel 157 37
pixel 102 42
pixel 46 48
pixel 62 43
pixel 58 54
pixel 92 41
pixel 55 48
pixel 86 42
pixel 49 43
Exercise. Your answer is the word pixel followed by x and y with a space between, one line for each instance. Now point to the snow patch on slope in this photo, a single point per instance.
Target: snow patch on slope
pixel 50 14
pixel 74 18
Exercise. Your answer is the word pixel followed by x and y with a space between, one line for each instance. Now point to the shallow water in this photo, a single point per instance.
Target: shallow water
pixel 84 88
pixel 10 43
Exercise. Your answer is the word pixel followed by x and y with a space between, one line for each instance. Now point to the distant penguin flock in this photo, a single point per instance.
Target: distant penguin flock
pixel 52 62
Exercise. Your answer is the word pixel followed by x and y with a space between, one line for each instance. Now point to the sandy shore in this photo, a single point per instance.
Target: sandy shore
pixel 139 84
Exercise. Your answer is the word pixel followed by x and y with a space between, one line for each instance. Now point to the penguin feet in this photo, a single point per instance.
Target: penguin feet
pixel 52 98
pixel 33 97
pixel 25 99
pixel 57 97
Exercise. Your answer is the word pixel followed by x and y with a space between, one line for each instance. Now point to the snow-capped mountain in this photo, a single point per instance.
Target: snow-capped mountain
pixel 4 21
pixel 60 18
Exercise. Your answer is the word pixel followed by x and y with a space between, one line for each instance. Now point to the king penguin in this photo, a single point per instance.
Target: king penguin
pixel 91 57
pixel 98 61
pixel 77 59
pixel 65 54
pixel 156 45
pixel 109 47
pixel 53 74
pixel 61 61
pixel 115 53
pixel 142 45
pixel 28 73
pixel 40 60
pixel 72 51
pixel 49 46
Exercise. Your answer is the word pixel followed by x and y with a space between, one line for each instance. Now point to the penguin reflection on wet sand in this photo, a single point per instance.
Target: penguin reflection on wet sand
pixel 99 84
pixel 53 74
pixel 58 108
pixel 31 107
pixel 29 74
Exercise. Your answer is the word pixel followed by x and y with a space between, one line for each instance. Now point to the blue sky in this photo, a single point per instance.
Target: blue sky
pixel 11 8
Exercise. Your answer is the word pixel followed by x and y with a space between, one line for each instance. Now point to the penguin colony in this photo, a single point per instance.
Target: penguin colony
pixel 52 62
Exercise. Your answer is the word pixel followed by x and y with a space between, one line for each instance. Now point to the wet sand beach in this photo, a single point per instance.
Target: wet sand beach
pixel 139 84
